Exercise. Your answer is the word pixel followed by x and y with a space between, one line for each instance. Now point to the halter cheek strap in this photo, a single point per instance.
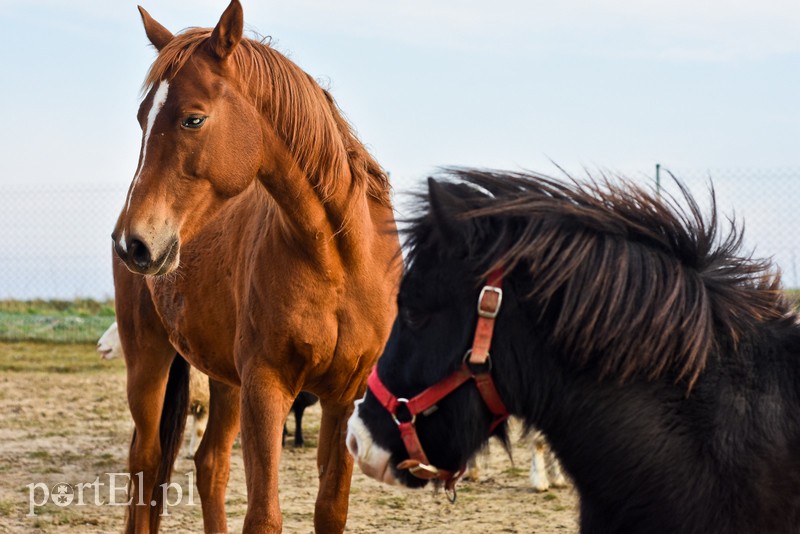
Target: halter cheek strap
pixel 489 302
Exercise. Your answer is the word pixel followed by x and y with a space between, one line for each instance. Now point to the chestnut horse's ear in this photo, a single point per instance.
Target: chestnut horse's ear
pixel 159 36
pixel 444 206
pixel 228 31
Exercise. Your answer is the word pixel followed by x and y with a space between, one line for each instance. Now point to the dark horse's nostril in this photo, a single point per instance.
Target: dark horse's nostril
pixel 139 253
pixel 352 444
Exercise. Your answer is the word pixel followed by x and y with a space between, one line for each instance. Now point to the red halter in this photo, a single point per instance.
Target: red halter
pixel 488 307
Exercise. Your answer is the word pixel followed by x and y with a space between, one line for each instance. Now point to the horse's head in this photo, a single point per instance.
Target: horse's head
pixel 432 334
pixel 109 345
pixel 201 143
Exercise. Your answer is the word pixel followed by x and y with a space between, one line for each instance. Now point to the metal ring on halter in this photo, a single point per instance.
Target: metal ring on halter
pixel 488 362
pixel 394 415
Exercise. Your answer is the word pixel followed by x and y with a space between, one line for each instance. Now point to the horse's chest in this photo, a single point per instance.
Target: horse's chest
pixel 288 316
pixel 200 325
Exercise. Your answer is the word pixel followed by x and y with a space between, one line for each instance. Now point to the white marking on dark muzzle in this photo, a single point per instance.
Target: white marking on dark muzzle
pixel 158 102
pixel 371 458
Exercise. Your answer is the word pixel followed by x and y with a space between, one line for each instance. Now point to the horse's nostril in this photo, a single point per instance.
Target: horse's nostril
pixel 119 249
pixel 139 253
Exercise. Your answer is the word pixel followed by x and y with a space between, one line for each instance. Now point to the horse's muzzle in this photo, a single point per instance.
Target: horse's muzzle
pixel 371 458
pixel 146 259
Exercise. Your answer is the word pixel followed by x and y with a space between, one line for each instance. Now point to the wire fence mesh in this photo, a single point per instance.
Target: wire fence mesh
pixel 55 241
pixel 762 201
pixel 55 261
pixel 55 244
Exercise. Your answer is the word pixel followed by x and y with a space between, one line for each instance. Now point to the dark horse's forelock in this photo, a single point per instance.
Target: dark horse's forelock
pixel 649 285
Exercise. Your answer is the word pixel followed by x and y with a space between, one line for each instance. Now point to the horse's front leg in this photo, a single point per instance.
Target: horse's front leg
pixel 149 463
pixel 335 467
pixel 265 404
pixel 158 413
pixel 213 458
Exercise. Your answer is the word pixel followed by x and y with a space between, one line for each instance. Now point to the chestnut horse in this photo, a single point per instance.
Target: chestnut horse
pixel 258 242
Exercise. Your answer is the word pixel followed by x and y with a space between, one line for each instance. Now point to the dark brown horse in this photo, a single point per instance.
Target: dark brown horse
pixel 257 241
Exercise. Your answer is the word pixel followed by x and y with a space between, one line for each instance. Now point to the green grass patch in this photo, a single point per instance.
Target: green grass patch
pixel 106 459
pixel 6 508
pixel 51 470
pixel 39 455
pixel 395 503
pixel 515 471
pixel 77 307
pixel 55 321
pixel 52 329
pixel 25 357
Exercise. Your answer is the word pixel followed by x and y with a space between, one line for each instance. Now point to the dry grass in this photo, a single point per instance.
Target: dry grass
pixel 65 420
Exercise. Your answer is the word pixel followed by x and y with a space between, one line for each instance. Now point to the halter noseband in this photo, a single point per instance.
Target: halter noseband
pixel 489 301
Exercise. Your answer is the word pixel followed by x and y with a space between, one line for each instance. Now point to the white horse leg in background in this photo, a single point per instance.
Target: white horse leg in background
pixel 473 472
pixel 545 467
pixel 199 399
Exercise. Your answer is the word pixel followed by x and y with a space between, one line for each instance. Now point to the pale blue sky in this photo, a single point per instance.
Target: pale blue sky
pixel 611 84
pixel 617 84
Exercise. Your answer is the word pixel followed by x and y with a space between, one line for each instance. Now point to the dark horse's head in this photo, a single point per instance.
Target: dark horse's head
pixel 601 281
pixel 438 310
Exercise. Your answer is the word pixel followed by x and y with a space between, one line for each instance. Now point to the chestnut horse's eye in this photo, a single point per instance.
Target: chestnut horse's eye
pixel 193 121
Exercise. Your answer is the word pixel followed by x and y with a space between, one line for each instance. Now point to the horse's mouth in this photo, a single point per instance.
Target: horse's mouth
pixel 380 473
pixel 405 478
pixel 373 460
pixel 105 354
pixel 170 260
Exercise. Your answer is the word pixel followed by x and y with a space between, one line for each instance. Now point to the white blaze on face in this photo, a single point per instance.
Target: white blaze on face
pixel 158 102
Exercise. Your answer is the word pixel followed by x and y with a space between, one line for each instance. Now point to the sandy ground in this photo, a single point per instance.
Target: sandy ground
pixel 69 424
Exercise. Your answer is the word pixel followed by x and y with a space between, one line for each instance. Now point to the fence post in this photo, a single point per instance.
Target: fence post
pixel 658 179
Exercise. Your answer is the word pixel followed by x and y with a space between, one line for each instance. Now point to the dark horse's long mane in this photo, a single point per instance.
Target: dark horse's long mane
pixel 639 284
pixel 305 115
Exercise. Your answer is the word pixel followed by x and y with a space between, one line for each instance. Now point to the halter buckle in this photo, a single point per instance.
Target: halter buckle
pixel 423 470
pixel 419 469
pixel 467 361
pixel 489 301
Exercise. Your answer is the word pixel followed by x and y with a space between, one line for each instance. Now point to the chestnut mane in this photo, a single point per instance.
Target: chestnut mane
pixel 305 115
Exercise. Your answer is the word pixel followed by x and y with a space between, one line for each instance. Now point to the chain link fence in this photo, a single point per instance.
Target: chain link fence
pixel 55 261
pixel 763 202
pixel 55 246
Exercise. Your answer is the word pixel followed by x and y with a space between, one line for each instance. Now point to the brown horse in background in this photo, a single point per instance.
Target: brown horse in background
pixel 257 241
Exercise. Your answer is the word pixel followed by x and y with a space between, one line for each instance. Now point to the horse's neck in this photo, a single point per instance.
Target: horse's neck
pixel 320 222
pixel 599 430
